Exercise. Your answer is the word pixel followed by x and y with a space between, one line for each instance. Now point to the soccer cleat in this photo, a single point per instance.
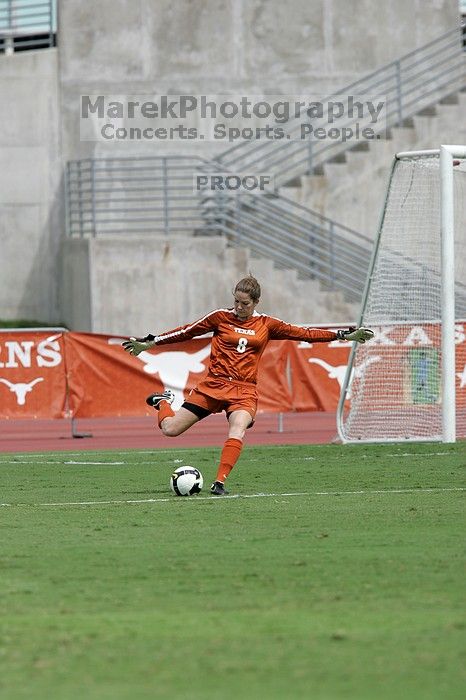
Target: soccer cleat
pixel 218 489
pixel 155 399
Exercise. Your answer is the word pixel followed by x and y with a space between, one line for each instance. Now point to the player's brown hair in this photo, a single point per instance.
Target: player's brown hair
pixel 249 285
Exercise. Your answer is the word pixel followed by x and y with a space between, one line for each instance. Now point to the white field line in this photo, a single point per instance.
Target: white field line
pixel 13 460
pixel 67 462
pixel 75 462
pixel 100 463
pixel 195 499
pixel 90 453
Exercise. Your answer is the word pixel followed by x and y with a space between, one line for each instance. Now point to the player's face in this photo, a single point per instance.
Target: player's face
pixel 244 305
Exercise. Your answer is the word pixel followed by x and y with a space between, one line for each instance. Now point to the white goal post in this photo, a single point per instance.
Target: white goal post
pixel 409 382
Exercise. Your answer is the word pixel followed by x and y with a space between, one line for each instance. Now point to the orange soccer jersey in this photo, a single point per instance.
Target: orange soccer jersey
pixel 237 346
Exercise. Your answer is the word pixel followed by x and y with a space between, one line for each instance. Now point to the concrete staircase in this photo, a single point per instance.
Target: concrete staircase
pixel 353 189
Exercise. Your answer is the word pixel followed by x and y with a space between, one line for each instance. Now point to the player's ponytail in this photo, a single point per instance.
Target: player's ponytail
pixel 249 285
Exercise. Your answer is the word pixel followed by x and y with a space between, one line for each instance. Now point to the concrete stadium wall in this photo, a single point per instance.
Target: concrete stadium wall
pixel 145 47
pixel 31 202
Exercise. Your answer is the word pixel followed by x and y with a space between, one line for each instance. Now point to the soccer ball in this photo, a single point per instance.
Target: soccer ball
pixel 186 481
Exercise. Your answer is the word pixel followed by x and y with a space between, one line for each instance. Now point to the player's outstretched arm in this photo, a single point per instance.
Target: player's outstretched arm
pixel 360 335
pixel 206 324
pixel 136 345
pixel 280 330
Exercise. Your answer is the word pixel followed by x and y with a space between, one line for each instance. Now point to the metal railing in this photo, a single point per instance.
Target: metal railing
pixel 132 195
pixel 410 85
pixel 27 24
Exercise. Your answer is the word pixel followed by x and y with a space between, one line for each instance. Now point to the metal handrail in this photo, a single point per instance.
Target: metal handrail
pixel 122 195
pixel 403 81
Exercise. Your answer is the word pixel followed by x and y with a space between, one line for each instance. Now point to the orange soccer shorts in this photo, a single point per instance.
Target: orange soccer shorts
pixel 220 394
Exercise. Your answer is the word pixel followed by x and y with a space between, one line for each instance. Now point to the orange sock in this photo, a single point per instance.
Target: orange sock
pixel 165 411
pixel 230 453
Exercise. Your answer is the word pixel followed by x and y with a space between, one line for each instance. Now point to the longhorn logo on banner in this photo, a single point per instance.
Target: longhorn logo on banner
pixel 21 389
pixel 173 367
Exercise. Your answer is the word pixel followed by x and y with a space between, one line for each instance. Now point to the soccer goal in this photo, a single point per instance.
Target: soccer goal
pixel 409 382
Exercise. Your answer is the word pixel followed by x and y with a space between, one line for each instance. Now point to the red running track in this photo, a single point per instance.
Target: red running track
pixel 142 433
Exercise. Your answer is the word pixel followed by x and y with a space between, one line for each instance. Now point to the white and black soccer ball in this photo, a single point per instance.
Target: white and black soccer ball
pixel 186 481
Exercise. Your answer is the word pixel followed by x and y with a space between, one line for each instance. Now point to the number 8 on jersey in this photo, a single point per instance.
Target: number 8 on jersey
pixel 242 342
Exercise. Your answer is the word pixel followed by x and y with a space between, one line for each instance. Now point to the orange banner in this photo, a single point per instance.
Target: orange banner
pixel 104 380
pixel 51 374
pixel 32 375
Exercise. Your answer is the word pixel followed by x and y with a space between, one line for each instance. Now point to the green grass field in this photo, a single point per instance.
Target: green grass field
pixel 343 577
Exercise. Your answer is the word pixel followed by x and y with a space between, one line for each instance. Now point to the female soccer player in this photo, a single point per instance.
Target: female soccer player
pixel 240 336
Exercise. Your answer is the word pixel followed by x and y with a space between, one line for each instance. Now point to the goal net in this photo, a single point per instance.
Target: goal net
pixel 409 382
